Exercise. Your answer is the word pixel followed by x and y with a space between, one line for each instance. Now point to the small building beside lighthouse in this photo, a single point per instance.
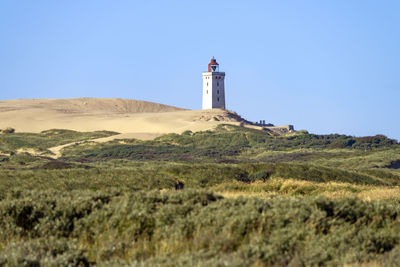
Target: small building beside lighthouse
pixel 213 87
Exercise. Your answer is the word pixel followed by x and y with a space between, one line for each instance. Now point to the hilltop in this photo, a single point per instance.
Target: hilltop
pixel 86 105
pixel 132 118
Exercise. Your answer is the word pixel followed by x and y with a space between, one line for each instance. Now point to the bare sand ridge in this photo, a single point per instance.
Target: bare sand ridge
pixel 131 118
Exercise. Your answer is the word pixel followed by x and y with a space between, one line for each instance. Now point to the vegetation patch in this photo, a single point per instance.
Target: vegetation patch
pixel 394 165
pixel 46 139
pixel 233 196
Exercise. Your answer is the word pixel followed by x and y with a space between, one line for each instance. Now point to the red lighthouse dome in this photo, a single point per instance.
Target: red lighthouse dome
pixel 213 66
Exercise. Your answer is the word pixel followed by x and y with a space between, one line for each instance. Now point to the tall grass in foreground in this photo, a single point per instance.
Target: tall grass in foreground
pixel 194 228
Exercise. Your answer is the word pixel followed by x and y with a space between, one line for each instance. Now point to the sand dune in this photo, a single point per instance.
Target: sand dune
pixel 86 105
pixel 131 118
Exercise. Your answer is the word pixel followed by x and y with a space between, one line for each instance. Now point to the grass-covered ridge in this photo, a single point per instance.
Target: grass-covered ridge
pixel 238 136
pixel 226 142
pixel 41 141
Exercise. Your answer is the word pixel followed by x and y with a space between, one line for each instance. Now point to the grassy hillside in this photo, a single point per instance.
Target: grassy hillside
pixel 10 142
pixel 229 197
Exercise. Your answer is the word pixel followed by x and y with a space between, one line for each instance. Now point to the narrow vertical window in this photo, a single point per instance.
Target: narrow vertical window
pixel 218 99
pixel 217 91
pixel 217 83
pixel 207 92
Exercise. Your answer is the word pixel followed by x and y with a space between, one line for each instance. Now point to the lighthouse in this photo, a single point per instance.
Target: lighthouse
pixel 213 87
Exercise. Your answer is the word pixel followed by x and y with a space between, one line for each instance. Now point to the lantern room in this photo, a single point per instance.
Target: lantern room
pixel 213 66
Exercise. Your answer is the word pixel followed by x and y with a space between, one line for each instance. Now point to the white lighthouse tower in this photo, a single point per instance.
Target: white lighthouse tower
pixel 213 87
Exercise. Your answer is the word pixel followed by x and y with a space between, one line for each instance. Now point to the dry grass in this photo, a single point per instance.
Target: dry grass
pixel 290 187
pixel 366 264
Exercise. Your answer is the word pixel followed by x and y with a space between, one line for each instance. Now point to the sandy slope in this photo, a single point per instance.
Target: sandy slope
pixel 131 118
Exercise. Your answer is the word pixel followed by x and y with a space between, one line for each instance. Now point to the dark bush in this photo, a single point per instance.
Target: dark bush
pixel 179 185
pixel 243 177
pixel 393 165
pixel 263 175
pixel 8 131
pixel 55 164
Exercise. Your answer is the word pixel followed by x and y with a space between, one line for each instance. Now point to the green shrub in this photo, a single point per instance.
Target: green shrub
pixel 263 175
pixel 187 132
pixel 43 252
pixel 8 131
pixel 243 177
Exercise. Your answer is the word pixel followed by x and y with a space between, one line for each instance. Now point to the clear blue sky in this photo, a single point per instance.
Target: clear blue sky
pixel 325 66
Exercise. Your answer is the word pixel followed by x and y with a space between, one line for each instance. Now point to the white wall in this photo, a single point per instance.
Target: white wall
pixel 213 90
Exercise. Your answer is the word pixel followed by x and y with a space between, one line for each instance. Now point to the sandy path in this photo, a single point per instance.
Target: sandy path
pixel 142 136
